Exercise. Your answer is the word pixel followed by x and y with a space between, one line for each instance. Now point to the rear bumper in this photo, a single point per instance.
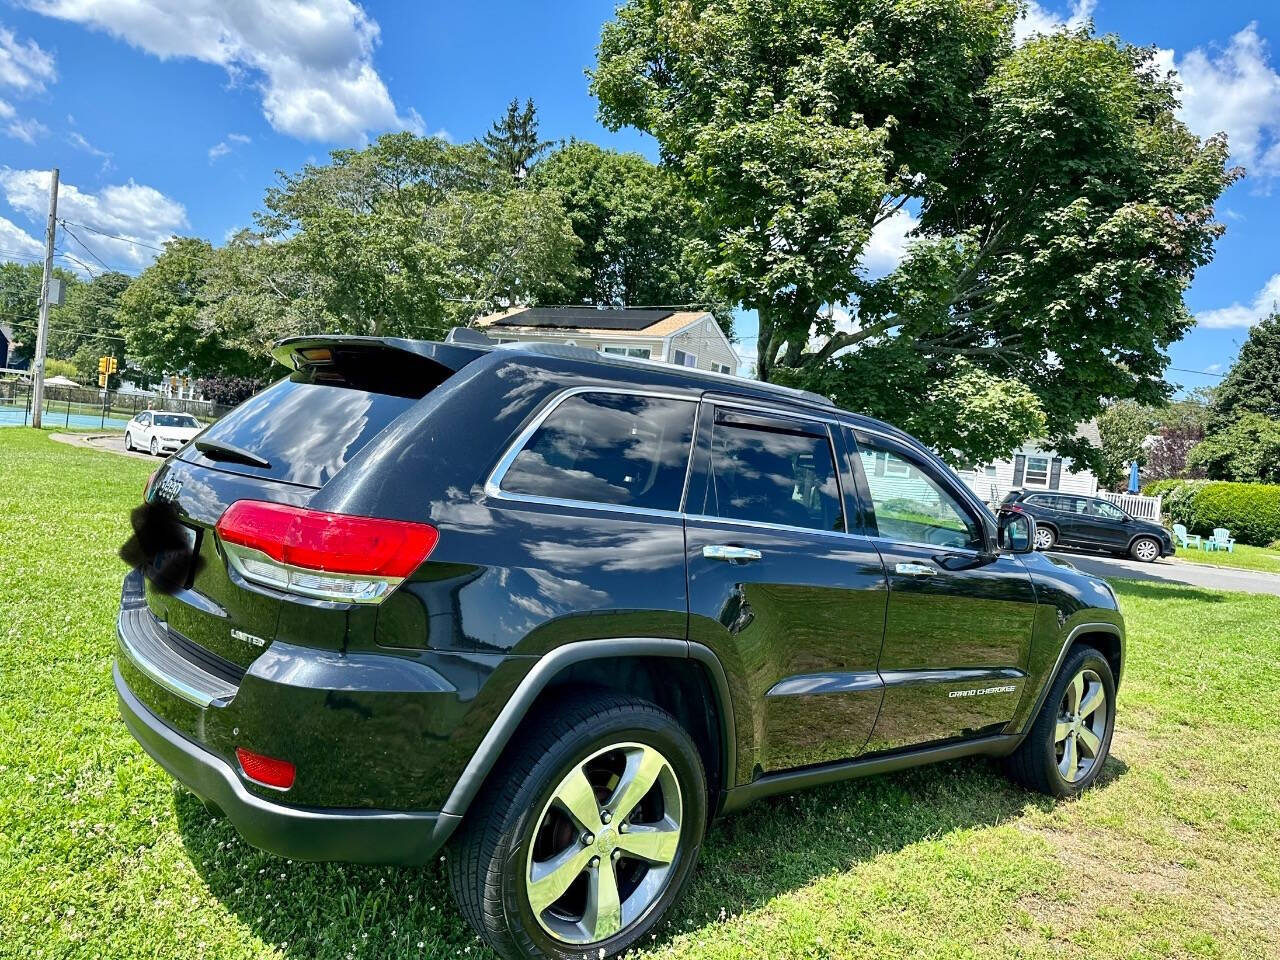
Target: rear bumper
pixel 302 833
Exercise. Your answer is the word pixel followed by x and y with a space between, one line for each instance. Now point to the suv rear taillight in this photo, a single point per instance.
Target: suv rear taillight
pixel 331 556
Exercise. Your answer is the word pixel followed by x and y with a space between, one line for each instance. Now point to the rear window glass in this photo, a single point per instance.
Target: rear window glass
pixel 310 425
pixel 608 448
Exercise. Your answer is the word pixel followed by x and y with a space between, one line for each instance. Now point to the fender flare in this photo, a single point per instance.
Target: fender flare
pixel 548 667
pixel 1143 536
pixel 1101 626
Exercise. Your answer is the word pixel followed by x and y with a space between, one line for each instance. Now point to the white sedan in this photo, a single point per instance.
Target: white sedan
pixel 159 433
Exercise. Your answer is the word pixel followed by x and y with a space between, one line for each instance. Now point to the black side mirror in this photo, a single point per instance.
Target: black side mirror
pixel 1017 532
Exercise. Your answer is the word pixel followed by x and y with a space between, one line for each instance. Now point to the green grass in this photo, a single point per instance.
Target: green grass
pixel 1175 854
pixel 1242 555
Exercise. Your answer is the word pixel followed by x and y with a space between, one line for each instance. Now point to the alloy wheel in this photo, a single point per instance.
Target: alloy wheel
pixel 1146 550
pixel 1044 539
pixel 605 843
pixel 1082 726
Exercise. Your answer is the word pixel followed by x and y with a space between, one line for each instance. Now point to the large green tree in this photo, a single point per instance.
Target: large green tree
pixel 512 141
pixel 1252 385
pixel 159 317
pixel 1247 451
pixel 1062 206
pixel 636 225
pixel 1123 427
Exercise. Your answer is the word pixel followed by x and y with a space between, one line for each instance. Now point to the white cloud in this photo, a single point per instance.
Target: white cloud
pixel 312 60
pixel 888 243
pixel 26 129
pixel 24 66
pixel 1240 315
pixel 140 214
pixel 16 241
pixel 1235 90
pixel 1213 368
pixel 77 140
pixel 1035 19
pixel 223 147
pixel 6 111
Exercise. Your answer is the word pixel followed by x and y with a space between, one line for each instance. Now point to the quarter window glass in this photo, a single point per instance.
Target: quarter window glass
pixel 911 507
pixel 769 473
pixel 608 448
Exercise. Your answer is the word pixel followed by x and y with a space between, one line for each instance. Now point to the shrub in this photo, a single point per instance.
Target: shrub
pixel 1251 511
pixel 1161 488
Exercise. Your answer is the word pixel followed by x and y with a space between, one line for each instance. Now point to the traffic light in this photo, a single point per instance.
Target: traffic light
pixel 102 364
pixel 108 365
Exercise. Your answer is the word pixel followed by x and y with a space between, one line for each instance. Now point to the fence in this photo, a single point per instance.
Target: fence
pixel 89 407
pixel 1144 508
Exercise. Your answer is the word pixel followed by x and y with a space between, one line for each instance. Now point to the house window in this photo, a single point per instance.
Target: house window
pixel 721 368
pixel 682 359
pixel 1037 472
pixel 990 470
pixel 644 353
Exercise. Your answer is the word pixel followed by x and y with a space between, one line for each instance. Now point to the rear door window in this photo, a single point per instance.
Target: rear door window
pixel 773 470
pixel 610 448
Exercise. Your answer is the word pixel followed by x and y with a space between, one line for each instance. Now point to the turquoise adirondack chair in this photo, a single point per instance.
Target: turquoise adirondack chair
pixel 1186 540
pixel 1221 539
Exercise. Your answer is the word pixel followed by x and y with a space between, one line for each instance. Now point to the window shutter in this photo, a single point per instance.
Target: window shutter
pixel 1019 469
pixel 1055 473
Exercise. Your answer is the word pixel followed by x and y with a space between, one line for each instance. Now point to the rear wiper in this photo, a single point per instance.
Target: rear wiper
pixel 217 450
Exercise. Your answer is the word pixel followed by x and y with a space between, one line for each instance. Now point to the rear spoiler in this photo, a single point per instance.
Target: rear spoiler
pixel 298 352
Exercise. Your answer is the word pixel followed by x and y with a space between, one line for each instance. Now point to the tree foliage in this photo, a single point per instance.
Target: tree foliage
pixel 1252 385
pixel 1122 427
pixel 636 226
pixel 1063 207
pixel 512 141
pixel 1247 451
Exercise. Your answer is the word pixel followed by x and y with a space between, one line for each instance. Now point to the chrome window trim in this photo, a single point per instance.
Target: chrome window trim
pixel 493 485
pixel 762 525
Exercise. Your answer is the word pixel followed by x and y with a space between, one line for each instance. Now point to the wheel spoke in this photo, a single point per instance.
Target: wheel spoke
pixel 1061 730
pixel 1075 690
pixel 1070 763
pixel 549 879
pixel 657 844
pixel 576 795
pixel 1090 741
pixel 603 916
pixel 1093 699
pixel 643 767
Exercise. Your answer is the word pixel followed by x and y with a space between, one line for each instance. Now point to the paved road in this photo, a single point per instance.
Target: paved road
pixel 112 442
pixel 1171 571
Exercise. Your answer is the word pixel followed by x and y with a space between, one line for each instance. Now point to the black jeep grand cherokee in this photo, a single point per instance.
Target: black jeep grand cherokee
pixel 559 610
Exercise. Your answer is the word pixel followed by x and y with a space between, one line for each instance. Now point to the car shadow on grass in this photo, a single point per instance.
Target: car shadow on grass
pixel 770 848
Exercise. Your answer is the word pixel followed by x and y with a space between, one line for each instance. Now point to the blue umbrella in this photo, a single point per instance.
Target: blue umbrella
pixel 1133 476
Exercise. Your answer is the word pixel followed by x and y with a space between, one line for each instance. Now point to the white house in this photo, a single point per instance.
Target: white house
pixel 1032 466
pixel 689 338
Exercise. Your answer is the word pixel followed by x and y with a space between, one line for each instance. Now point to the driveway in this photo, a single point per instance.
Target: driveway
pixel 111 442
pixel 1174 571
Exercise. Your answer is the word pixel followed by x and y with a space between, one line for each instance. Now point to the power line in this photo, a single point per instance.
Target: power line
pixel 72 333
pixel 111 236
pixel 86 247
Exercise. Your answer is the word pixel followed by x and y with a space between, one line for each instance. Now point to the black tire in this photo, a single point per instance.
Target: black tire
pixel 1046 537
pixel 1035 764
pixel 1151 546
pixel 488 855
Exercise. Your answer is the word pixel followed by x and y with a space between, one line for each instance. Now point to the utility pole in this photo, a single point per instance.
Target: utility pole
pixel 42 334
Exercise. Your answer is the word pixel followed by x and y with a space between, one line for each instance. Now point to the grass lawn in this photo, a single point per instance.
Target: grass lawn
pixel 1175 854
pixel 1241 555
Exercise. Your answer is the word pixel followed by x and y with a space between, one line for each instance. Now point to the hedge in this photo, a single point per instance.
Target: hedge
pixel 1161 488
pixel 1251 511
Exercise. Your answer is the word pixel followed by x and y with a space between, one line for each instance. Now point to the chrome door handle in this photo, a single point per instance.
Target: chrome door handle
pixel 915 570
pixel 721 551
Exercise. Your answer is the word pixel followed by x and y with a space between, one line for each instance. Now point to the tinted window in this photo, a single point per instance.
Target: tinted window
pixel 913 507
pixel 175 420
pixel 1100 508
pixel 1053 503
pixel 309 426
pixel 773 471
pixel 608 448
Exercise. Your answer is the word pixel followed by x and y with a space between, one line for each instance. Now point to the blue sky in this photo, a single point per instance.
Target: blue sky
pixel 174 115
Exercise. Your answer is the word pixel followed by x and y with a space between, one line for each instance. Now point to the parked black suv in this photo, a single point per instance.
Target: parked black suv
pixel 560 610
pixel 1071 520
